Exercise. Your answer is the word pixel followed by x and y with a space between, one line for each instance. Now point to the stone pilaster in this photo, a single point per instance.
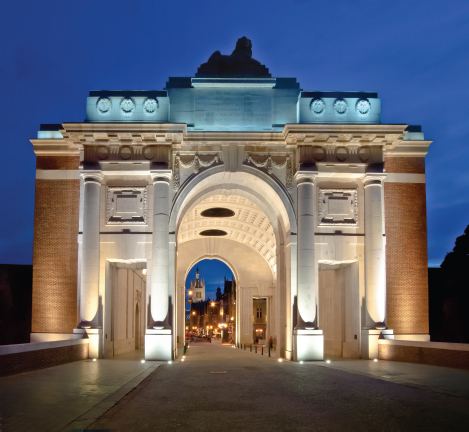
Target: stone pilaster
pixel 308 341
pixel 375 268
pixel 375 263
pixel 158 339
pixel 89 289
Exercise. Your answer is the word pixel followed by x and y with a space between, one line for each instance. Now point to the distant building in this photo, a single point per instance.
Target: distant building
pixel 198 288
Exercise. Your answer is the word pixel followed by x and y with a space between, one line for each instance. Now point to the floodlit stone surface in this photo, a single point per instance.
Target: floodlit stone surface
pixel 240 390
pixel 327 214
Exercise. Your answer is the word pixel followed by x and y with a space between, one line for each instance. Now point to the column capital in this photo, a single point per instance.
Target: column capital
pixel 92 176
pixel 158 176
pixel 305 177
pixel 373 179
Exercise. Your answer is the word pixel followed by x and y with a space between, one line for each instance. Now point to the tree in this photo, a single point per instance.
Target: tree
pixel 453 293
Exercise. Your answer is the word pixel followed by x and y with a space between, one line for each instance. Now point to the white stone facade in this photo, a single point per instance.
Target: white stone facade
pixel 308 231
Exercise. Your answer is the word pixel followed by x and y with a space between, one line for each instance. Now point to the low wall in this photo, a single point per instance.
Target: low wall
pixel 430 353
pixel 16 359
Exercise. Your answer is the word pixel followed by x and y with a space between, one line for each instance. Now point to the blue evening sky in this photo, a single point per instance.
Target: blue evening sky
pixel 214 272
pixel 414 53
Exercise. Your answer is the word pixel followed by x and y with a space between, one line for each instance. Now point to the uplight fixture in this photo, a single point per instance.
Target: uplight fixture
pixel 375 360
pixel 170 362
pixel 280 360
pixel 142 361
pixel 301 362
pixel 94 359
pixel 328 361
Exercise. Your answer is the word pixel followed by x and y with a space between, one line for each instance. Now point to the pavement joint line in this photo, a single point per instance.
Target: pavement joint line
pixel 382 378
pixel 96 411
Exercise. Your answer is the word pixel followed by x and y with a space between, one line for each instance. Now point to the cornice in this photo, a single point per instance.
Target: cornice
pixel 297 135
pixel 53 147
pixel 408 149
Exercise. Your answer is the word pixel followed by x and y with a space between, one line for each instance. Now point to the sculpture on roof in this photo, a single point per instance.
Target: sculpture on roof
pixel 239 64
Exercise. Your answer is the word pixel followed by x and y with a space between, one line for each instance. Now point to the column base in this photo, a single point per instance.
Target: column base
pixel 158 344
pixel 95 335
pixel 308 345
pixel 369 348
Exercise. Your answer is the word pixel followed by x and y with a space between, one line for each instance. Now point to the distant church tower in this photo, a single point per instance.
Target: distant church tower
pixel 197 288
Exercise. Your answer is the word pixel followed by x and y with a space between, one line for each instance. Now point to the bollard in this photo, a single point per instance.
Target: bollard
pixel 244 347
pixel 184 350
pixel 251 347
pixel 269 351
pixel 256 349
pixel 262 352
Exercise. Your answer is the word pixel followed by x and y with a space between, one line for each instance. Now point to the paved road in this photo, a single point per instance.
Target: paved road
pixel 221 388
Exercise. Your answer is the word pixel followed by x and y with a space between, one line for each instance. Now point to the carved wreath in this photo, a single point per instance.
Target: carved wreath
pixel 269 163
pixel 196 163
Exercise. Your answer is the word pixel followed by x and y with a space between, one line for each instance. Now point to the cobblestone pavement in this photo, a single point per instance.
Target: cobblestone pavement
pixel 221 388
pixel 69 396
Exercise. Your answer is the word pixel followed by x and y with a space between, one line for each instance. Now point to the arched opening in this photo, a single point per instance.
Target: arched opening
pixel 259 246
pixel 210 311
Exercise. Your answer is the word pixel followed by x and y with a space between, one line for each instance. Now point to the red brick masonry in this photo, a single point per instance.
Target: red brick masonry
pixel 406 249
pixel 425 355
pixel 55 251
pixel 11 364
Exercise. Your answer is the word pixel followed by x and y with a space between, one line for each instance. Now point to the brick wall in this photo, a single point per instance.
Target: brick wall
pixel 11 364
pixel 423 355
pixel 55 251
pixel 406 249
pixel 413 165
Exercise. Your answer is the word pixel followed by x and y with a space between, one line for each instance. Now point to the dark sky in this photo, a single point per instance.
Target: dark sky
pixel 415 54
pixel 213 271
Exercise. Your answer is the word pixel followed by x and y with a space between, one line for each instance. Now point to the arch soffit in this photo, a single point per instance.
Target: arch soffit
pixel 215 180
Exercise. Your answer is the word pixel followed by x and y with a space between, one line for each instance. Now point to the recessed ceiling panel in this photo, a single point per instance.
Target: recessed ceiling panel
pixel 213 233
pixel 219 212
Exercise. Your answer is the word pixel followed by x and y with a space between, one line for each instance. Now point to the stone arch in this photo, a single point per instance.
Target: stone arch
pixel 243 182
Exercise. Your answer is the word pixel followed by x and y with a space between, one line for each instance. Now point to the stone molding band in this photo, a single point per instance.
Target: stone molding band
pixel 57 174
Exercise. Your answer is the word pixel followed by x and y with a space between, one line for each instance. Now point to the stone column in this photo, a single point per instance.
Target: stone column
pixel 160 251
pixel 375 264
pixel 307 277
pixel 375 268
pixel 158 338
pixel 308 339
pixel 89 289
